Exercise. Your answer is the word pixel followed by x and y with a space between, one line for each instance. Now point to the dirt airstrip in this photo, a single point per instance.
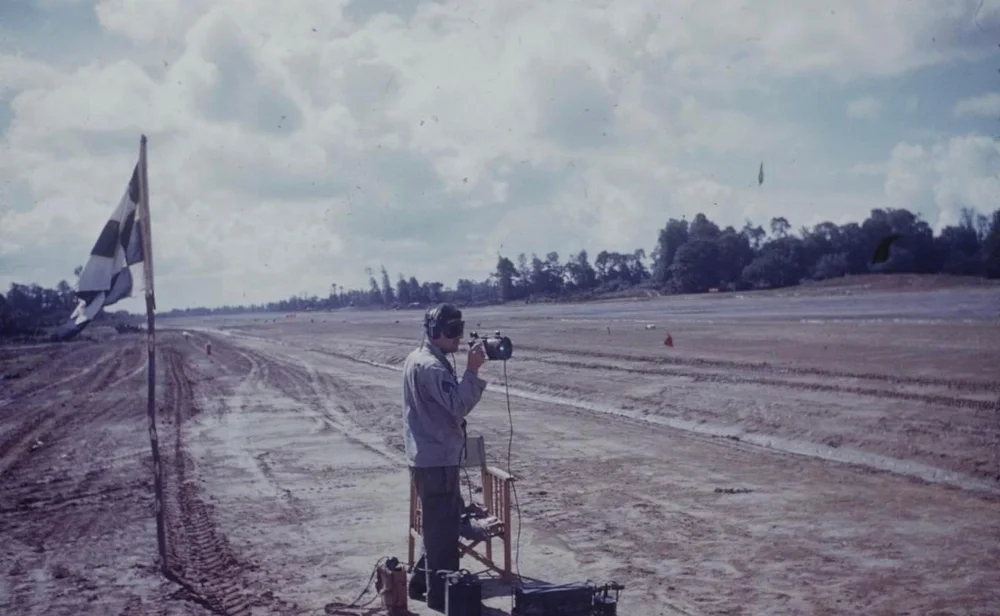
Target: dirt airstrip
pixel 789 455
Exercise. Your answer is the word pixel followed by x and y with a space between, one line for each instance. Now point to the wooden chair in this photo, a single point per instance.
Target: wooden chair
pixel 496 490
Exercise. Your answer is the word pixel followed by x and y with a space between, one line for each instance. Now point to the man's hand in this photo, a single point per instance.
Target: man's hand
pixel 477 355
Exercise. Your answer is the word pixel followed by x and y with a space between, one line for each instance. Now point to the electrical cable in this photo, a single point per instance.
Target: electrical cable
pixel 353 605
pixel 369 584
pixel 513 484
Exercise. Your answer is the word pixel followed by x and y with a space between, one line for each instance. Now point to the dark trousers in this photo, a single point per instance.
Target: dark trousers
pixel 441 504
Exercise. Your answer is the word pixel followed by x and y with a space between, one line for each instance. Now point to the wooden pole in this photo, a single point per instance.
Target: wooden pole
pixel 145 229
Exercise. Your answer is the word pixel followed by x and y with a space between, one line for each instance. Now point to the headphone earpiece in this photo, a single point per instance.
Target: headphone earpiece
pixel 430 322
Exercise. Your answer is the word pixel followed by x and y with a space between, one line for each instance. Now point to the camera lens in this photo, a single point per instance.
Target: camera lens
pixel 499 348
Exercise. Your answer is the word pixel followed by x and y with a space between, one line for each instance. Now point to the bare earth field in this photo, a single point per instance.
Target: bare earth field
pixel 819 451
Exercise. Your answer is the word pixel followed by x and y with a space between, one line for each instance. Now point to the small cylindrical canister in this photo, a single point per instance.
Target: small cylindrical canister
pixel 391 584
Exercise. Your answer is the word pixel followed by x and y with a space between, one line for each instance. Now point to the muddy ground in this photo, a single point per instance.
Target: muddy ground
pixel 816 454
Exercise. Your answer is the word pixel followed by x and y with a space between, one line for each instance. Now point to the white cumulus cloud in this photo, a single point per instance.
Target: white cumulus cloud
pixel 941 180
pixel 290 149
pixel 986 105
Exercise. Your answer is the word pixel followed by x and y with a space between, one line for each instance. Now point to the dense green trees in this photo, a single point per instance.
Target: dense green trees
pixel 30 309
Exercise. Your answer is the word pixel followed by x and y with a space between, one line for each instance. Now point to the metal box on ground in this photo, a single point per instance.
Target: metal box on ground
pixel 463 594
pixel 576 599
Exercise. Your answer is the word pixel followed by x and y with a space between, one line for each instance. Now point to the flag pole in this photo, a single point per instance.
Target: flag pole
pixel 145 229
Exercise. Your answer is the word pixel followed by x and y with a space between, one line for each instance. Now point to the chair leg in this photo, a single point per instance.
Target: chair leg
pixel 411 540
pixel 506 528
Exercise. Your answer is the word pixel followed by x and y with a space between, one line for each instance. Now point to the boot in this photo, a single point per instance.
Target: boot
pixel 417 586
pixel 416 590
pixel 435 593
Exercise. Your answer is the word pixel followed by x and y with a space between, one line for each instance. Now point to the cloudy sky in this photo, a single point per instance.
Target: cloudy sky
pixel 291 145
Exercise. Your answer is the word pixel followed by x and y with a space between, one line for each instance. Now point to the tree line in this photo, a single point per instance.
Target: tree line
pixel 691 257
pixel 688 257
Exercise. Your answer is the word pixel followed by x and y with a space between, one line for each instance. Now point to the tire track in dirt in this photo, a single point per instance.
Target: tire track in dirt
pixel 18 364
pixel 44 419
pixel 18 442
pixel 959 443
pixel 200 558
pixel 774 444
pixel 261 372
pixel 209 572
pixel 656 403
pixel 54 502
pixel 65 502
pixel 63 426
pixel 283 378
pixel 727 366
pixel 314 390
pixel 742 373
pixel 965 431
pixel 76 508
pixel 857 457
pixel 353 393
pixel 57 419
pixel 940 400
pixel 69 361
pixel 640 409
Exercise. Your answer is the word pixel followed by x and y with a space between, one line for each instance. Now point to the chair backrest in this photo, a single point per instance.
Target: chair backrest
pixel 475 452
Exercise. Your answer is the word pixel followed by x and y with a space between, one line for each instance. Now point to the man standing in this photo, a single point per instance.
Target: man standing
pixel 435 403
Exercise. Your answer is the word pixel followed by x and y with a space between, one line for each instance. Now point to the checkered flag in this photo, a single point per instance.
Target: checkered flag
pixel 106 277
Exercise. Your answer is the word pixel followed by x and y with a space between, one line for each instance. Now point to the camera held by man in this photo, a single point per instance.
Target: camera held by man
pixel 497 347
